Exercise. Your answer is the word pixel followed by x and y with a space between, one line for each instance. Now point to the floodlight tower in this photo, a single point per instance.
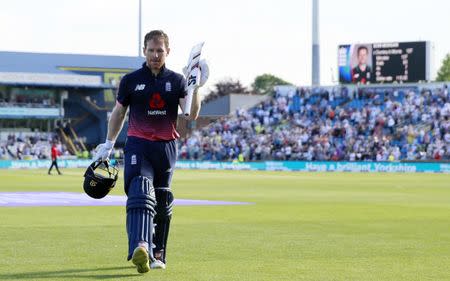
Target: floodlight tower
pixel 140 29
pixel 315 44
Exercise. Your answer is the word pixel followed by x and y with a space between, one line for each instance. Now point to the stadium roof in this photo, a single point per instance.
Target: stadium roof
pixel 52 80
pixel 65 63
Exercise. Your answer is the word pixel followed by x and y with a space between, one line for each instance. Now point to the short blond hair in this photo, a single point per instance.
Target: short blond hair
pixel 154 34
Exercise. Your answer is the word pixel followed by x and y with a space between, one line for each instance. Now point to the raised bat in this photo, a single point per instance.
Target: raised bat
pixel 192 75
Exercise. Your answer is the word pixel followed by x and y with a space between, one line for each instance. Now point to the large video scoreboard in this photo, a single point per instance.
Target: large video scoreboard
pixel 384 62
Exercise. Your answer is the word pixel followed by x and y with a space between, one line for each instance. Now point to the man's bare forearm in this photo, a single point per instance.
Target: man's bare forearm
pixel 116 121
pixel 196 105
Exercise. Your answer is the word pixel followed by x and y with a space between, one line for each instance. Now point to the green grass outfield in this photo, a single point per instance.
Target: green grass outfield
pixel 303 226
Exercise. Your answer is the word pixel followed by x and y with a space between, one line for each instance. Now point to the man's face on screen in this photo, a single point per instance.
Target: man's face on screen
pixel 362 56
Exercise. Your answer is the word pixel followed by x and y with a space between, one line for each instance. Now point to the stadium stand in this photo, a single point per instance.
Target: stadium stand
pixel 28 145
pixel 25 145
pixel 364 124
pixel 40 90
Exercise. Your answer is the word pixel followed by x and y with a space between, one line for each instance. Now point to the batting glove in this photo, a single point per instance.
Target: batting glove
pixel 102 151
pixel 204 72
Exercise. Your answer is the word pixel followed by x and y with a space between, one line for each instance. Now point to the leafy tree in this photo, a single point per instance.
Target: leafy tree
pixel 444 71
pixel 264 83
pixel 226 87
pixel 229 86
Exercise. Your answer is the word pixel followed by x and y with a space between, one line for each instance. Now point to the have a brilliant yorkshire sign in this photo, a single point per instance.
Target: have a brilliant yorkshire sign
pixel 305 166
pixel 301 166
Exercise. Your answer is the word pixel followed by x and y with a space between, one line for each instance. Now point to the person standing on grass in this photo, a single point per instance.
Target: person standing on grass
pixel 55 154
pixel 152 95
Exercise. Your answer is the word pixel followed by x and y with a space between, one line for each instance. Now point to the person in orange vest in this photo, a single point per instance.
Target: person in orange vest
pixel 55 154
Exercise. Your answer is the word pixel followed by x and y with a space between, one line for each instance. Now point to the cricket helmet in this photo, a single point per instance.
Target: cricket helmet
pixel 99 178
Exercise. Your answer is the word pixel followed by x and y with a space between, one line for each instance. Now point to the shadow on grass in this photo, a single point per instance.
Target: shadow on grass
pixel 93 273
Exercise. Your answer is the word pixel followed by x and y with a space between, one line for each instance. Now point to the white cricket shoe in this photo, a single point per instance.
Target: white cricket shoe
pixel 157 264
pixel 141 259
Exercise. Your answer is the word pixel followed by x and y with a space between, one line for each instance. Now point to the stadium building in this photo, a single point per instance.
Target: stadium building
pixel 72 95
pixel 65 93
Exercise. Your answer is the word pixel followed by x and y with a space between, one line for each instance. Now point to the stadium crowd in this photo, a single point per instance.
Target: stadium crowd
pixel 23 100
pixel 331 124
pixel 37 145
pixel 28 145
pixel 368 124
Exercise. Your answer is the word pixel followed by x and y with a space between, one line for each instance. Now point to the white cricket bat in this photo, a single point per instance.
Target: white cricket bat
pixel 192 75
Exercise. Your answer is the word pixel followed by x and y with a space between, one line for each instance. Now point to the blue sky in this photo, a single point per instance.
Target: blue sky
pixel 243 38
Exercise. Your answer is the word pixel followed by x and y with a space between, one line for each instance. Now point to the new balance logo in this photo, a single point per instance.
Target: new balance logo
pixel 139 87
